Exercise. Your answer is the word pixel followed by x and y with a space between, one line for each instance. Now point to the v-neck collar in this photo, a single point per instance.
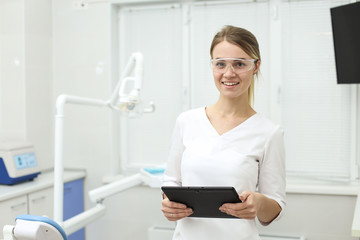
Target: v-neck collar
pixel 230 130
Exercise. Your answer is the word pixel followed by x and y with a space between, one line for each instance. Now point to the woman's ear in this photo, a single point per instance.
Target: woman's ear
pixel 257 66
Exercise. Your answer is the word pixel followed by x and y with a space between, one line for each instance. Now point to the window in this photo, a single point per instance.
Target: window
pixel 316 112
pixel 154 30
pixel 297 87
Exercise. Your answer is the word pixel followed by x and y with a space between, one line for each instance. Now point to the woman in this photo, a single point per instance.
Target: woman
pixel 228 144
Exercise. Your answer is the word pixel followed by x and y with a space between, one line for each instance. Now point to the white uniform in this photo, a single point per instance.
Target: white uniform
pixel 248 157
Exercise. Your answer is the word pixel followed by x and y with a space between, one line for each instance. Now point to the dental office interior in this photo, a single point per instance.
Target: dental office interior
pixel 56 53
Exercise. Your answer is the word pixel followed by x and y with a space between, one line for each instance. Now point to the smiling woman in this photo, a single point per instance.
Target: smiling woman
pixel 228 144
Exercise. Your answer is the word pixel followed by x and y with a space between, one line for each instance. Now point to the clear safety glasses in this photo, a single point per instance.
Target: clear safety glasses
pixel 238 65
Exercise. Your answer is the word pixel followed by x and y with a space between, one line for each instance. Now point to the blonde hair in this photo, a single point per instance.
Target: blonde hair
pixel 246 41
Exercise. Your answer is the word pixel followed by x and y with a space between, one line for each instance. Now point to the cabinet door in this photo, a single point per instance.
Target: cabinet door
pixel 41 202
pixel 11 208
pixel 74 204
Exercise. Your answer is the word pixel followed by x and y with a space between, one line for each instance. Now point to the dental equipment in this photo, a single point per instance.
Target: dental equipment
pixel 18 162
pixel 127 102
pixel 30 227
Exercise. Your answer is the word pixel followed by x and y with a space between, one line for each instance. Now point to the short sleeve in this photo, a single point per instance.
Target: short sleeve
pixel 272 176
pixel 172 175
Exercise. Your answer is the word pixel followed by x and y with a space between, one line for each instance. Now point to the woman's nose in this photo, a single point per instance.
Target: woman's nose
pixel 230 71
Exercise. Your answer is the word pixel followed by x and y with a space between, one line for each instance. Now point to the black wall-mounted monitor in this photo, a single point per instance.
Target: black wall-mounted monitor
pixel 346 35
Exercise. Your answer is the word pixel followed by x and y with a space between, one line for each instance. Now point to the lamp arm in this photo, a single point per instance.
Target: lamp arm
pixel 79 221
pixel 59 145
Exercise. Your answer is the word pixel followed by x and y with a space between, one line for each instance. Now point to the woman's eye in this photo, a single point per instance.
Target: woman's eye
pixel 240 64
pixel 220 64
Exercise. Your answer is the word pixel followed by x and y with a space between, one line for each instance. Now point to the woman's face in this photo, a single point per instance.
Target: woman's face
pixel 229 82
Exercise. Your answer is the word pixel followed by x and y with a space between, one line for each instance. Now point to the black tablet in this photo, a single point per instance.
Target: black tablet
pixel 204 201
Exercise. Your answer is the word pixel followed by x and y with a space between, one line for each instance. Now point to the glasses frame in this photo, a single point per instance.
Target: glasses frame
pixel 233 59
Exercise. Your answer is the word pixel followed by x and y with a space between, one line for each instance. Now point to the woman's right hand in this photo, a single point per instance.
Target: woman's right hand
pixel 174 211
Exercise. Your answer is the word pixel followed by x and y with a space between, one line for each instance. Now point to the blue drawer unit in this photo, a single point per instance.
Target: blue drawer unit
pixel 74 204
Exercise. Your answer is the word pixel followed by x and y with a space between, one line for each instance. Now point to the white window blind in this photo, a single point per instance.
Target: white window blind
pixel 154 30
pixel 315 110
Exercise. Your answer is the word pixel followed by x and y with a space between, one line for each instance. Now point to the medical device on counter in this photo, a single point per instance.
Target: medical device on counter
pixel 17 162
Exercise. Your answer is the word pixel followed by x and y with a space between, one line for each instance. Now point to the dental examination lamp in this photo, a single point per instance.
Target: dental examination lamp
pixel 122 99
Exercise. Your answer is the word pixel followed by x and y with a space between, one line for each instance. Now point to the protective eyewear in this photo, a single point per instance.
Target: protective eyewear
pixel 238 65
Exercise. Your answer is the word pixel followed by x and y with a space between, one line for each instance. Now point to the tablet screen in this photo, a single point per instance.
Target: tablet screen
pixel 205 201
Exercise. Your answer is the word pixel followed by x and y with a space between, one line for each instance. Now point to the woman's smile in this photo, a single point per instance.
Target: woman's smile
pixel 230 84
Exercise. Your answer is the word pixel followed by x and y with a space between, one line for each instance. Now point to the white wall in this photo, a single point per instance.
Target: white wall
pixel 316 217
pixel 80 46
pixel 38 79
pixel 26 108
pixel 12 69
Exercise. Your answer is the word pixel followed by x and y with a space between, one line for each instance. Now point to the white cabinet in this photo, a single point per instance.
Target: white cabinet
pixel 35 203
pixel 41 202
pixel 11 208
pixel 37 197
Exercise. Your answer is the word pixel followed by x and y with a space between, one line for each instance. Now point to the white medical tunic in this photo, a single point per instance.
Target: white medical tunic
pixel 248 157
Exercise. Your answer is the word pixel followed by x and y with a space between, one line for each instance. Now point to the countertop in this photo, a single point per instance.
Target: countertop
pixel 44 180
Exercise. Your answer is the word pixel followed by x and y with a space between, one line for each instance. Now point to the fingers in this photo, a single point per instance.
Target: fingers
pixel 246 209
pixel 177 215
pixel 244 195
pixel 239 211
pixel 175 211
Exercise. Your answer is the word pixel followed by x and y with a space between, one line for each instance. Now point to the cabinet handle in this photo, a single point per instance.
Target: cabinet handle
pixel 38 199
pixel 20 205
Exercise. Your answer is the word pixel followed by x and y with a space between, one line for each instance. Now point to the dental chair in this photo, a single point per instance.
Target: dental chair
pixel 30 227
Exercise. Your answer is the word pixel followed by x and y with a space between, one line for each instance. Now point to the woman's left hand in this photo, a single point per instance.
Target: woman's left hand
pixel 247 209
